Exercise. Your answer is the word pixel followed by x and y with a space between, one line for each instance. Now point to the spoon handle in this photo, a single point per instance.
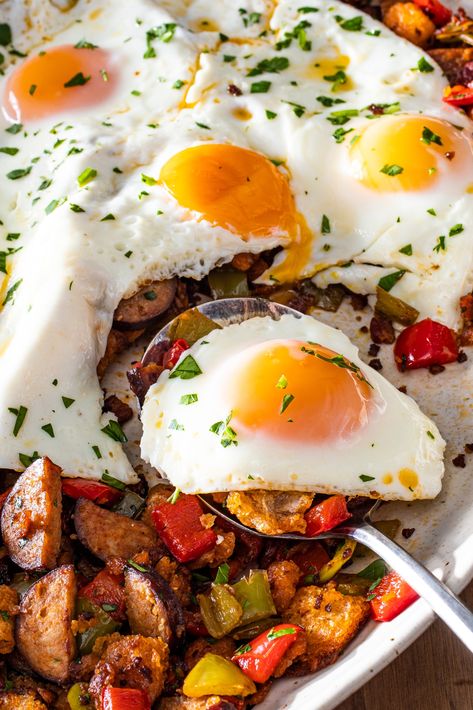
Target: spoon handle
pixel 443 602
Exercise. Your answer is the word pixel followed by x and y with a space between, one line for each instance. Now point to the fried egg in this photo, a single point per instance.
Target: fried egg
pixel 163 139
pixel 288 405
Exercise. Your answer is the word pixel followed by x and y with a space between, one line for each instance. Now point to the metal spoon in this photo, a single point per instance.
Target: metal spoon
pixel 442 601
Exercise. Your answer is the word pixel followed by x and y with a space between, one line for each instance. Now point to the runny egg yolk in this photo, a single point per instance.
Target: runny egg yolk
pixel 59 79
pixel 241 191
pixel 297 391
pixel 408 152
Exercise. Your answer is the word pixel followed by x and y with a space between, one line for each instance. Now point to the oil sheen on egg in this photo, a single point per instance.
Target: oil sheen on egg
pixel 288 405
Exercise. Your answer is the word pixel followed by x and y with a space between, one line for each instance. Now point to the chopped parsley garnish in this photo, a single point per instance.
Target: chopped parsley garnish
pixel 86 176
pixel 251 18
pixel 48 428
pixel 392 170
pixel 32 89
pixel 202 125
pixel 19 173
pixel 337 79
pixel 269 66
pixel 163 33
pixel 15 128
pixel 83 44
pixel 340 134
pixel 260 87
pixel 297 109
pixel 97 451
pixel 339 118
pixel 407 250
pixel 222 574
pixel 20 415
pixel 286 401
pixel 281 384
pixel 27 460
pixel 354 24
pixel 270 115
pixel 363 477
pixel 272 634
pixel 10 297
pixel 148 180
pixel 67 401
pixel 76 208
pixel 390 280
pixel 108 217
pixel 77 80
pixel 227 434
pixel 5 34
pixel 429 137
pixel 227 58
pixel 111 481
pixel 186 369
pixel 325 225
pixel 174 424
pixel 432 212
pixel 307 9
pixel 440 246
pixel 178 84
pixel 374 571
pixel 328 101
pixel 430 435
pixel 173 498
pixel 424 66
pixel 188 398
pixel 136 566
pixel 340 361
pixel 243 649
pixel 114 431
pixel 456 229
pixel 9 151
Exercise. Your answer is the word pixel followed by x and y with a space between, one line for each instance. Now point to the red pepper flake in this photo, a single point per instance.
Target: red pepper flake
pixel 408 532
pixel 234 90
pixel 459 461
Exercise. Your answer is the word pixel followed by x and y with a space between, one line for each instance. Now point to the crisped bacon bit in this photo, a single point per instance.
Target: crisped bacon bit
pixel 243 262
pixel 373 350
pixel 376 364
pixel 462 356
pixel 403 389
pixel 408 532
pixel 436 369
pixel 381 330
pixel 469 448
pixel 358 301
pixel 121 410
pixel 459 461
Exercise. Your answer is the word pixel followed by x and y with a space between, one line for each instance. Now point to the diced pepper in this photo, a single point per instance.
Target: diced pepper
pixel 259 658
pixel 106 591
pixel 79 698
pixel 125 699
pixel 99 493
pixel 341 557
pixel 310 557
pixel 179 527
pixel 438 13
pixel 459 96
pixel 228 283
pixel 254 595
pixel 104 625
pixel 172 355
pixel 326 515
pixel 390 597
pixel 220 609
pixel 214 675
pixel 423 344
pixel 352 584
pixel 393 308
pixel 191 326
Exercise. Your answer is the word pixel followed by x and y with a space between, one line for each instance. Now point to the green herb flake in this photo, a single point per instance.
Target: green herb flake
pixel 136 566
pixel 325 225
pixel 363 477
pixel 429 137
pixel 407 250
pixel 19 173
pixel 260 87
pixel 97 451
pixel 20 415
pixel 374 571
pixel 269 66
pixel 108 217
pixel 430 435
pixel 286 401
pixel 83 44
pixel 440 246
pixel 48 428
pixel 5 34
pixel 390 280
pixel 456 229
pixel 114 431
pixel 424 66
pixel 10 297
pixel 391 169
pixel 281 384
pixel 188 398
pixel 340 134
pixel 174 424
pixel 186 369
pixel 77 80
pixel 67 401
pixel 15 127
pixel 86 176
pixel 112 481
pixel 270 115
pixel 173 498
pixel 9 151
pixel 432 212
pixel 354 24
pixel 222 574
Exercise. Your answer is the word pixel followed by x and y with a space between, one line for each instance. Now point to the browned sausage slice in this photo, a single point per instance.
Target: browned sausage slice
pixel 108 534
pixel 43 626
pixel 31 517
pixel 152 607
pixel 145 307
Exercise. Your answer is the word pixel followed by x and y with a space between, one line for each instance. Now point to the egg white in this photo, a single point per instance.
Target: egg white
pixel 178 441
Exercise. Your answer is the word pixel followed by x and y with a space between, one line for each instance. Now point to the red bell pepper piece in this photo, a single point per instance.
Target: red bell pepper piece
pixel 423 344
pixel 179 527
pixel 390 597
pixel 310 557
pixel 172 355
pixel 458 95
pixel 259 658
pixel 107 592
pixel 98 492
pixel 438 13
pixel 326 515
pixel 125 699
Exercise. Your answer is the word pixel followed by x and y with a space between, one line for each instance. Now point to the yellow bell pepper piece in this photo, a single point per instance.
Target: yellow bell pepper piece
pixel 214 675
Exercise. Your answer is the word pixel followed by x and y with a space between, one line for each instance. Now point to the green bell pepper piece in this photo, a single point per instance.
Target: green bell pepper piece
pixel 254 595
pixel 105 625
pixel 220 610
